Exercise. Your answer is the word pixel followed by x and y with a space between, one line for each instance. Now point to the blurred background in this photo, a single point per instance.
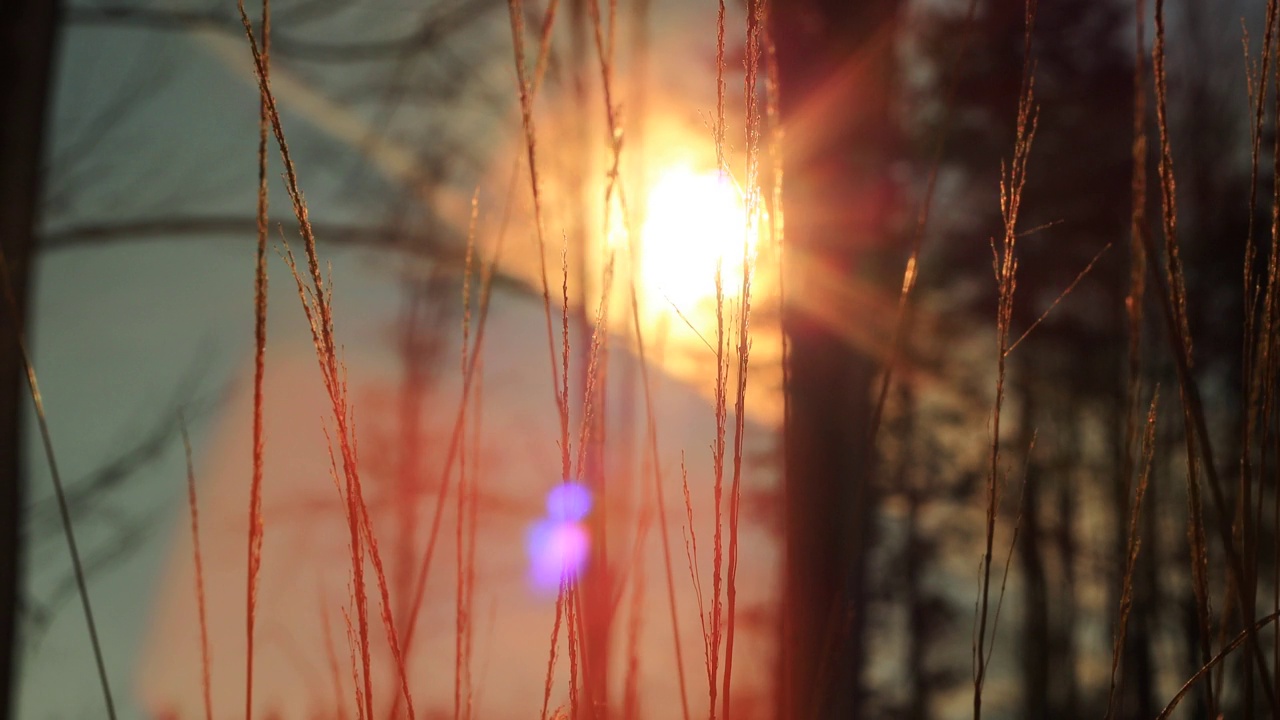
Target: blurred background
pixel 884 128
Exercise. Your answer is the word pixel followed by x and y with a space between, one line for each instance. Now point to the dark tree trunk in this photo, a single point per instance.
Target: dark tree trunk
pixel 836 64
pixel 26 59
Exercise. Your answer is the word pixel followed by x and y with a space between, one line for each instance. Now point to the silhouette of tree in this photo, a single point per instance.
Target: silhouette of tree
pixel 27 43
pixel 837 73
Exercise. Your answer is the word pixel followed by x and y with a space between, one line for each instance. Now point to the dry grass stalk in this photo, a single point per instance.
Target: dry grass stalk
pixel 904 321
pixel 464 527
pixel 1134 301
pixel 1013 543
pixel 331 655
pixel 1259 356
pixel 256 525
pixel 691 554
pixel 486 294
pixel 631 681
pixel 316 297
pixel 516 11
pixel 1133 546
pixel 613 186
pixel 638 579
pixel 64 513
pixel 651 434
pixel 716 621
pixel 193 513
pixel 1173 307
pixel 355 666
pixel 560 381
pixel 385 605
pixel 755 24
pixel 1230 647
pixel 1005 265
pixel 573 619
pixel 551 659
pixel 1257 378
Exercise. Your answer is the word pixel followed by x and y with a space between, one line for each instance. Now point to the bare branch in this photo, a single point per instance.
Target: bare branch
pixel 440 23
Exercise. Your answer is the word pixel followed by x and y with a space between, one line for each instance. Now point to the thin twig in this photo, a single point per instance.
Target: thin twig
pixel 1060 298
pixel 198 559
pixel 1230 647
pixel 68 530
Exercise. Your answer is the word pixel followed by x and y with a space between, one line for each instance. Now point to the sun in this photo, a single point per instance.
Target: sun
pixel 694 222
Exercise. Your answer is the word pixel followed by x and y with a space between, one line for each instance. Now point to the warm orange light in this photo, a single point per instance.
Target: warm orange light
pixel 694 221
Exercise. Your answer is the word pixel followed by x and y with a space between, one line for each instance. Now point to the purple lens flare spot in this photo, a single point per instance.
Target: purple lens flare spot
pixel 556 549
pixel 559 543
pixel 568 502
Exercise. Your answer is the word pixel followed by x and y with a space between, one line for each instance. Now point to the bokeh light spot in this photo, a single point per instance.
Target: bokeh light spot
pixel 556 549
pixel 569 502
pixel 558 544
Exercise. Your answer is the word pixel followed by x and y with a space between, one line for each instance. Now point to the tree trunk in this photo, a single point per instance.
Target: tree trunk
pixel 27 29
pixel 835 66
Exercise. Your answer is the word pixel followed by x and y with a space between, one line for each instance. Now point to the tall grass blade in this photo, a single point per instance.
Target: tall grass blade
pixel 46 440
pixel 256 525
pixel 198 561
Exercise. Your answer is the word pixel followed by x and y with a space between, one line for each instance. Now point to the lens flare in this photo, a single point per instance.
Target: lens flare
pixel 568 502
pixel 559 544
pixel 696 222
